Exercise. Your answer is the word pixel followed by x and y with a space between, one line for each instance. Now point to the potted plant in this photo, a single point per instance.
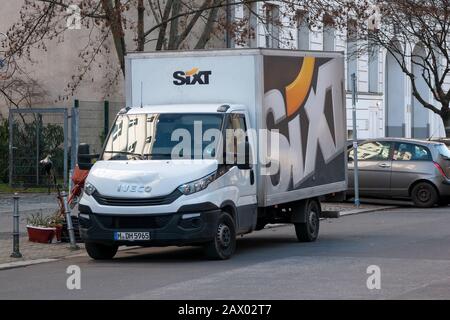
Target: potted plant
pixel 56 221
pixel 39 229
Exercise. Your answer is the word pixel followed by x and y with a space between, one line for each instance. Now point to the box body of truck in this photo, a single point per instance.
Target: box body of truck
pixel 300 94
pixel 292 106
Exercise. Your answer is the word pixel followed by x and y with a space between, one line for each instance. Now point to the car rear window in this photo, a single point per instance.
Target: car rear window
pixel 443 150
pixel 411 152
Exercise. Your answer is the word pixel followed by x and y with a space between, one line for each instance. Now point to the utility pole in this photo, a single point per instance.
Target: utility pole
pixel 355 140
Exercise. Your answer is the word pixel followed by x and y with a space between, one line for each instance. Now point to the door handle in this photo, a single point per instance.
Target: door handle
pixel 384 165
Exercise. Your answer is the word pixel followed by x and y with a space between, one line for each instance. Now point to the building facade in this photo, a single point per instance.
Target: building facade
pixel 385 106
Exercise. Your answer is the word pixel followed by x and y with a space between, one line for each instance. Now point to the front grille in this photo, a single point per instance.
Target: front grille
pixel 136 202
pixel 134 222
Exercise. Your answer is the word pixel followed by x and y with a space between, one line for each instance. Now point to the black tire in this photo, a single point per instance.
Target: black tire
pixel 424 195
pixel 98 251
pixel 309 231
pixel 224 243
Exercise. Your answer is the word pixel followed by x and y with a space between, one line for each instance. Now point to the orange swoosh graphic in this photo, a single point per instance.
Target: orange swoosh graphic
pixel 297 91
pixel 191 72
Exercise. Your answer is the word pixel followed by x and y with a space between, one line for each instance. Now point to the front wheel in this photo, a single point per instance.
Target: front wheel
pixel 309 231
pixel 224 243
pixel 98 251
pixel 424 195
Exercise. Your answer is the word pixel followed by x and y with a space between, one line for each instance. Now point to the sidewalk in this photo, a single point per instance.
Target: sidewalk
pixel 29 203
pixel 347 208
pixel 34 251
pixel 38 253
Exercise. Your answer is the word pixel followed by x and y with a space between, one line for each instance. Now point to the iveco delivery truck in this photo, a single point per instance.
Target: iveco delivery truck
pixel 217 144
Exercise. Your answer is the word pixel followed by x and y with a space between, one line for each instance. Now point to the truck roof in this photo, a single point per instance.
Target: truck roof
pixel 232 52
pixel 186 108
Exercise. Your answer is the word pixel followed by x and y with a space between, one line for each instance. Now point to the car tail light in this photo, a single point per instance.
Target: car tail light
pixel 438 166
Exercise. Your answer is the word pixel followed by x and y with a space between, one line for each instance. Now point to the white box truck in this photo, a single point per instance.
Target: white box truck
pixel 165 178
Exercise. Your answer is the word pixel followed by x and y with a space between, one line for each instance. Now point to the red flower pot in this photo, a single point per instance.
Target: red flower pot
pixel 40 235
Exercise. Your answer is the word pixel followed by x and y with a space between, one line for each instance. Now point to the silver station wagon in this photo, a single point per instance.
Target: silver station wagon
pixel 403 169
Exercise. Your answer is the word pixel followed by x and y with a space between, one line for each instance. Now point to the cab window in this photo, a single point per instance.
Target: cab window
pixel 235 132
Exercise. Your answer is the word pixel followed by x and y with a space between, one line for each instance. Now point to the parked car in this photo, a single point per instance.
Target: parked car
pixel 403 169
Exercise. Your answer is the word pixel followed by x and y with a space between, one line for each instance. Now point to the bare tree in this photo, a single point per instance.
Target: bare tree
pixel 416 34
pixel 138 25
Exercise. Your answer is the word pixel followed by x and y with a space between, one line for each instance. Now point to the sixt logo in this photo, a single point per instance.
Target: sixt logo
pixel 191 77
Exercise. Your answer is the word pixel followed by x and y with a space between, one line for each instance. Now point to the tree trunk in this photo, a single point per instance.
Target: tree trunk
pixel 173 34
pixel 114 17
pixel 446 121
pixel 140 26
pixel 163 28
pixel 207 31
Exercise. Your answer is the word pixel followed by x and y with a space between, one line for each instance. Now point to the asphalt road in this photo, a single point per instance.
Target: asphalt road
pixel 410 246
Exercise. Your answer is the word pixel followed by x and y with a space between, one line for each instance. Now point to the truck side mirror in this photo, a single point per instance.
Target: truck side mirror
pixel 84 157
pixel 247 163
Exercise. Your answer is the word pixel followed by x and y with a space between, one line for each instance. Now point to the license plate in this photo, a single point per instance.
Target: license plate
pixel 132 236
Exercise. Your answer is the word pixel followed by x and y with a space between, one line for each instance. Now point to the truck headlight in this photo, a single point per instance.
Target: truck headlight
pixel 198 185
pixel 89 189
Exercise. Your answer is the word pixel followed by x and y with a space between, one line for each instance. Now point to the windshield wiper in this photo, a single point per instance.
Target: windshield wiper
pixel 158 155
pixel 127 153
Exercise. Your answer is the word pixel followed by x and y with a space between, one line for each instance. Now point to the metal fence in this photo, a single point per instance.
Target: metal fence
pixel 35 134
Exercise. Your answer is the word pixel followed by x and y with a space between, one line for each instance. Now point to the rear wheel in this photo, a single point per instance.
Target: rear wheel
pixel 224 243
pixel 98 251
pixel 309 231
pixel 424 195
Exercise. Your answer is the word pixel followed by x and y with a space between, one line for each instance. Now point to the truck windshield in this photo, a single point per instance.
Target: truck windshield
pixel 163 136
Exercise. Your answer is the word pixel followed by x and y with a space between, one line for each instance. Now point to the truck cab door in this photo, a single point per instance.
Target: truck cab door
pixel 244 179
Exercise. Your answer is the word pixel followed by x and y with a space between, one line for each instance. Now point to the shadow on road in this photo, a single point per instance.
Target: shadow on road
pixel 254 245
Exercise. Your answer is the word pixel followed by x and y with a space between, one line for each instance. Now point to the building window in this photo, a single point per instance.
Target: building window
pixel 272 26
pixel 303 31
pixel 352 52
pixel 329 33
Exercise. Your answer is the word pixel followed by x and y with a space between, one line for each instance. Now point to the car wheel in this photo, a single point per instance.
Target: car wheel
pixel 424 195
pixel 309 231
pixel 224 243
pixel 98 251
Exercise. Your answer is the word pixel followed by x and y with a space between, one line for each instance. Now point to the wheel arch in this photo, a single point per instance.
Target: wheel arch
pixel 415 183
pixel 299 215
pixel 230 208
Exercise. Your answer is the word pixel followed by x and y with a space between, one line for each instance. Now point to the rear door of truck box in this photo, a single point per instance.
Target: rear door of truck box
pixel 304 100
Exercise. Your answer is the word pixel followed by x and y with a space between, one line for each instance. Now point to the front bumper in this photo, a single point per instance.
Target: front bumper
pixel 186 228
